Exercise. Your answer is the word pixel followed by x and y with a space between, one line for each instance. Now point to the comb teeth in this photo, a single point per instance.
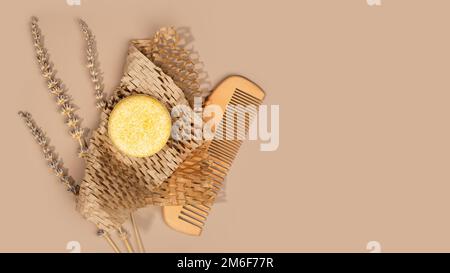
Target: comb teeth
pixel 222 154
pixel 222 149
pixel 242 98
pixel 241 108
pixel 194 214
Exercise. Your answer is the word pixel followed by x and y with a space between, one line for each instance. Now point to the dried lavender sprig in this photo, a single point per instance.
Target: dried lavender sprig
pixel 52 159
pixel 56 88
pixel 93 66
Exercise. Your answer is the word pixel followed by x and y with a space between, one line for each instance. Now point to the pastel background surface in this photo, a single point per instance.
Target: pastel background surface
pixel 364 103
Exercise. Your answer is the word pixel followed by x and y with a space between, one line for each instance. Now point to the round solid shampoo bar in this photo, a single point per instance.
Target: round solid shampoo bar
pixel 139 125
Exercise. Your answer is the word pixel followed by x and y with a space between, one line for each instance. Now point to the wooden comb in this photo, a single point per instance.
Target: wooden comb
pixel 233 91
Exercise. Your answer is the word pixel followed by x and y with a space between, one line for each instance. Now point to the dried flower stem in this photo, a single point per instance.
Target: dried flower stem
pixel 93 66
pixel 56 88
pixel 123 235
pixel 109 240
pixel 53 162
pixel 137 234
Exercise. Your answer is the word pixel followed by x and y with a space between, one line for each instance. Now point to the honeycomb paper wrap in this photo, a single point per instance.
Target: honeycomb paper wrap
pixel 115 184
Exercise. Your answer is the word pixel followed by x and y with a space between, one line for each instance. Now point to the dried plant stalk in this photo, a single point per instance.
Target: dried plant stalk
pixel 95 73
pixel 53 161
pixel 56 88
pixel 124 236
pixel 101 233
pixel 57 167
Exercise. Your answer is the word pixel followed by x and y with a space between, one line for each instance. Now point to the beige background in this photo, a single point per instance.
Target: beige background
pixel 365 136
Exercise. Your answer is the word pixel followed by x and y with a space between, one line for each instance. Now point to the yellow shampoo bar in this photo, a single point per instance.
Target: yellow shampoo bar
pixel 139 125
